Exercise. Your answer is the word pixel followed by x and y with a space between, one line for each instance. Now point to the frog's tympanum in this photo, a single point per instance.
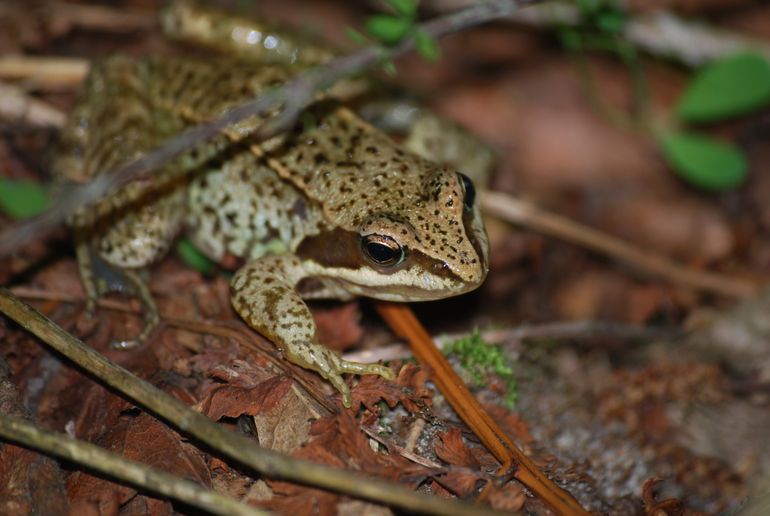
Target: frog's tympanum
pixel 332 209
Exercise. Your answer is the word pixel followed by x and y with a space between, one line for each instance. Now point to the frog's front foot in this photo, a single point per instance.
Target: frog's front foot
pixel 331 366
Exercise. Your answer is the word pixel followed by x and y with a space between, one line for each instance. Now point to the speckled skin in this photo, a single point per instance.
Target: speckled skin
pixel 297 211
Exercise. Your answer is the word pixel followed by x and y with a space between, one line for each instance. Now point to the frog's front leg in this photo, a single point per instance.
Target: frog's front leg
pixel 264 293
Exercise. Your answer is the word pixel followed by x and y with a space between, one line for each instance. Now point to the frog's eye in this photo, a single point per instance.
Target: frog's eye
pixel 382 250
pixel 470 191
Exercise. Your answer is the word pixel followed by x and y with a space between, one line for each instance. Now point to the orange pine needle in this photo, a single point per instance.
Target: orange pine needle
pixel 403 322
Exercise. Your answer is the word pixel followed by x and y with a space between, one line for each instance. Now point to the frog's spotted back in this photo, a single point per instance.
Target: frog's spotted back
pixel 128 107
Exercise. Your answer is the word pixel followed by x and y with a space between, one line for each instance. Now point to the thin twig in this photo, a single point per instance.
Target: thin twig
pixel 404 452
pixel 558 330
pixel 51 71
pixel 658 32
pixel 112 465
pixel 295 95
pixel 521 212
pixel 64 16
pixel 215 437
pixel 18 107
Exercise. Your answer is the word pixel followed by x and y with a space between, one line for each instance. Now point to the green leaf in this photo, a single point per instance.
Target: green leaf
pixel 388 29
pixel 355 36
pixel 571 39
pixel 731 86
pixel 588 7
pixel 193 257
pixel 21 199
pixel 704 162
pixel 427 46
pixel 406 8
pixel 611 21
pixel 389 67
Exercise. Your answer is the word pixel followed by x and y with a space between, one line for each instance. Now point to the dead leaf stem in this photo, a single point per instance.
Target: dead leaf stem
pixel 403 322
pixel 517 211
pixel 52 71
pixel 112 465
pixel 215 437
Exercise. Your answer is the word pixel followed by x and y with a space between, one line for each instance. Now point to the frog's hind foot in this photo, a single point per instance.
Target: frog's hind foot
pixel 99 278
pixel 137 286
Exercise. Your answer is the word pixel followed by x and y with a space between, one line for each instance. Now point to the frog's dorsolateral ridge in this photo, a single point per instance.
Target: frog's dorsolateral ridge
pixel 333 209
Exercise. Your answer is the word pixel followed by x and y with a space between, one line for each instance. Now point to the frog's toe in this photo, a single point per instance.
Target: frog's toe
pixel 360 369
pixel 339 383
pixel 151 322
pixel 90 309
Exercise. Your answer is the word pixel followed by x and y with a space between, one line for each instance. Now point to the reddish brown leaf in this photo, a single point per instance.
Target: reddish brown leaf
pixel 461 482
pixel 29 483
pixel 294 499
pixel 339 327
pixel 146 440
pixel 408 389
pixel 511 422
pixel 285 426
pixel 453 450
pixel 510 497
pixel 144 506
pixel 339 441
pixel 234 401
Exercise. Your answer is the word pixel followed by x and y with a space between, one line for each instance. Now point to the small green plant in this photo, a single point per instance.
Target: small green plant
pixel 731 86
pixel 480 359
pixel 22 199
pixel 391 29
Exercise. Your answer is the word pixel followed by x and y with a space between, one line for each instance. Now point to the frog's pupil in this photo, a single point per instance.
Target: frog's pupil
pixel 470 192
pixel 380 253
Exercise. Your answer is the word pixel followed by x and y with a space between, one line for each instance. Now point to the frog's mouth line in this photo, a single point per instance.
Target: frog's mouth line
pixel 408 284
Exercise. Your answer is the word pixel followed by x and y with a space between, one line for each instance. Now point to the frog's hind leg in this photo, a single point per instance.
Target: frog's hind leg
pixel 113 260
pixel 99 278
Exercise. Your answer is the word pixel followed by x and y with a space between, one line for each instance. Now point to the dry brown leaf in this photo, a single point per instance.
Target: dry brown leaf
pixel 453 450
pixel 293 499
pixel 338 441
pixel 461 482
pixel 143 439
pixel 510 497
pixel 234 401
pixel 29 483
pixel 339 327
pixel 285 426
pixel 408 389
